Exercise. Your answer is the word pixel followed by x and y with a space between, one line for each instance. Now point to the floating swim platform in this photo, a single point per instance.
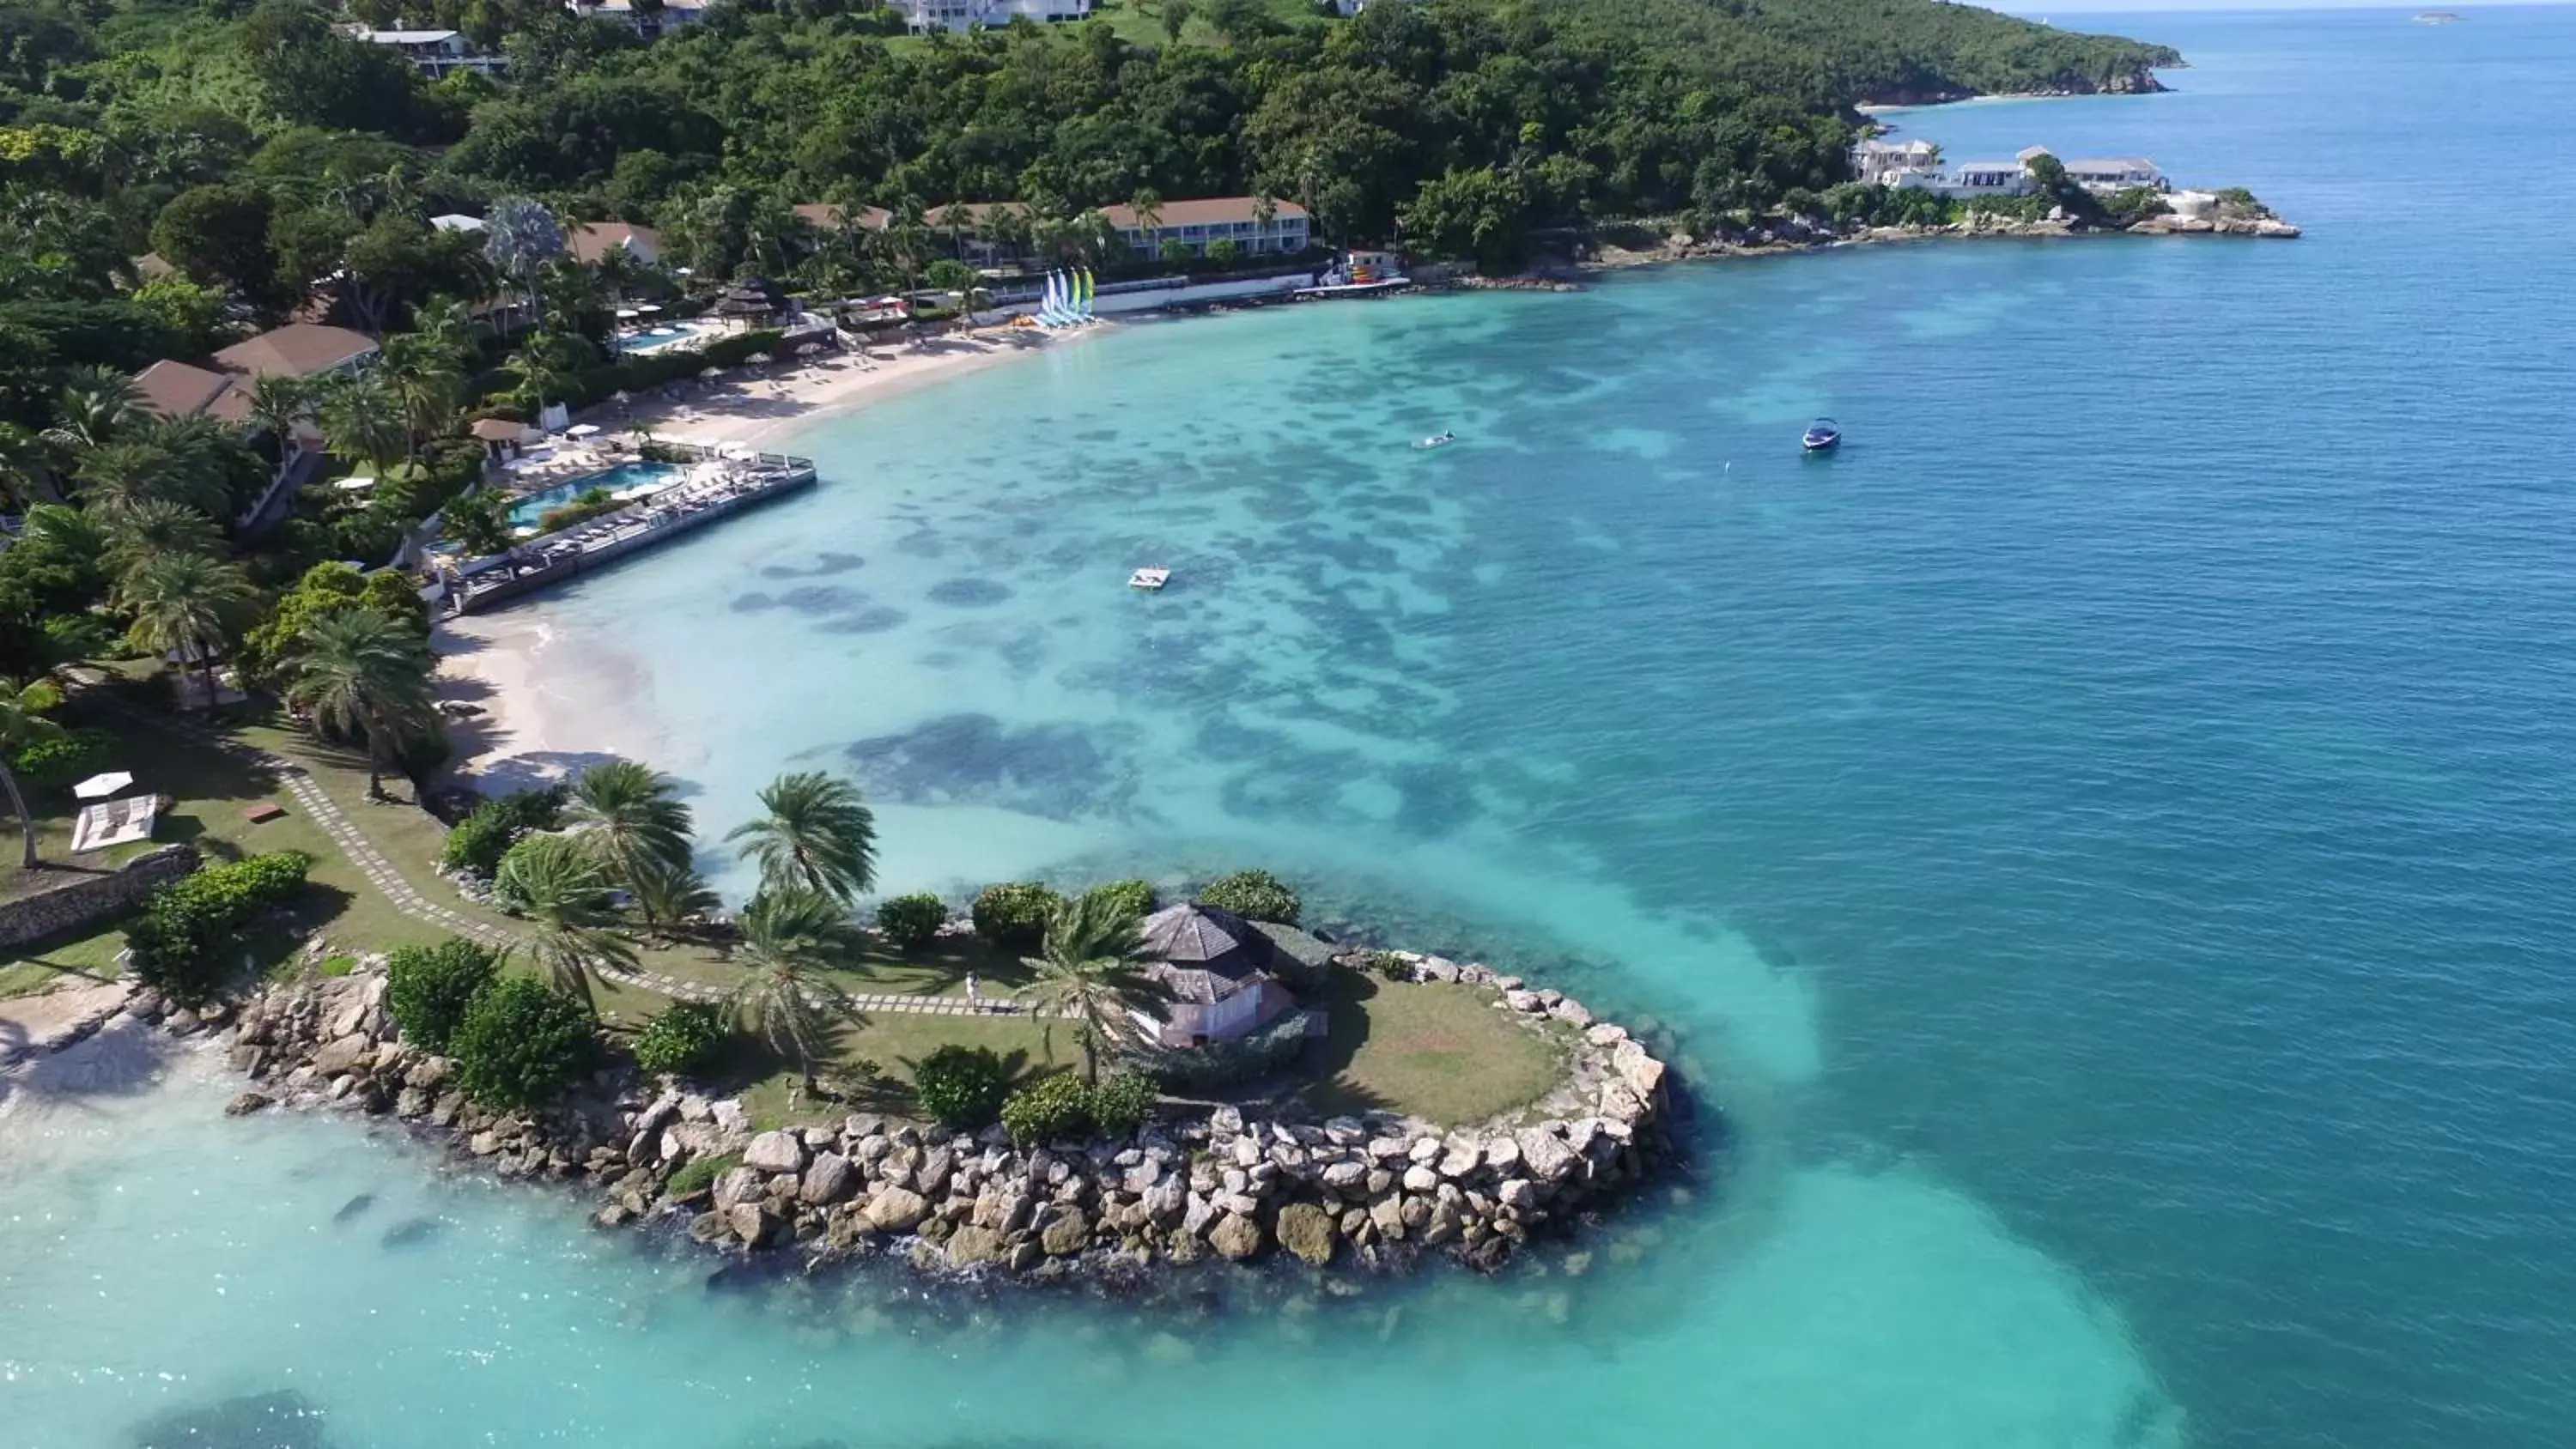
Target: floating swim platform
pixel 1150 580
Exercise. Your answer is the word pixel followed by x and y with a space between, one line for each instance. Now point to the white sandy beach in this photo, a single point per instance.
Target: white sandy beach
pixel 747 407
pixel 518 718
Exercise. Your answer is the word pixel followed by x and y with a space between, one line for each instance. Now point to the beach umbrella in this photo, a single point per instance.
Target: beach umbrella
pixel 711 374
pixel 758 359
pixel 622 397
pixel 648 307
pixel 99 787
pixel 355 485
pixel 582 430
pixel 627 314
pixel 808 349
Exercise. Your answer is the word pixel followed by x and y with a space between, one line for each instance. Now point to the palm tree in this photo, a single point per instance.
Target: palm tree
pixel 540 366
pixel 791 937
pixel 155 529
pixel 556 884
pixel 22 723
pixel 669 892
pixel 95 404
pixel 362 420
pixel 816 833
pixel 1147 203
pixel 1089 974
pixel 357 672
pixel 187 602
pixel 626 814
pixel 277 403
pixel 428 384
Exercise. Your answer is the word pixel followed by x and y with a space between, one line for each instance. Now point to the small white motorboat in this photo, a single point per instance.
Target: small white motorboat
pixel 1150 580
pixel 1437 440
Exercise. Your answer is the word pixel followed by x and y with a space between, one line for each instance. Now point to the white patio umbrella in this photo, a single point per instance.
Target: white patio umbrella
pixel 99 787
pixel 647 307
pixel 758 359
pixel 627 314
pixel 358 484
pixel 808 349
pixel 582 430
pixel 711 374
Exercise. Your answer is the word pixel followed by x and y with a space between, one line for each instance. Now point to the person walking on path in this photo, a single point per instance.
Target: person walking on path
pixel 974 998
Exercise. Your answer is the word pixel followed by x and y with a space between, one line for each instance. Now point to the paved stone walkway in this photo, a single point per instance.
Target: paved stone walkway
pixel 381 874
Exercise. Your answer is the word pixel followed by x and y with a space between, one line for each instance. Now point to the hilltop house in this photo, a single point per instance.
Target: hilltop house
pixel 590 242
pixel 221 389
pixel 648 22
pixel 436 53
pixel 1216 967
pixel 1195 224
pixel 921 17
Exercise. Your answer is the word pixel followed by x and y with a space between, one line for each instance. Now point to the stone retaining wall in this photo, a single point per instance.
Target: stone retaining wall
pixel 82 901
pixel 1374 1190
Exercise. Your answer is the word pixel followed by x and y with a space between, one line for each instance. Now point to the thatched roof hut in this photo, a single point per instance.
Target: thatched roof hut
pixel 753 299
pixel 1203 953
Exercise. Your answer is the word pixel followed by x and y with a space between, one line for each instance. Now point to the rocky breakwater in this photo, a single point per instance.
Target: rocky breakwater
pixel 1194 1183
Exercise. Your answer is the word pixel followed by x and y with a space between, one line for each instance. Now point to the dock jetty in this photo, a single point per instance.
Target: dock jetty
pixel 719 484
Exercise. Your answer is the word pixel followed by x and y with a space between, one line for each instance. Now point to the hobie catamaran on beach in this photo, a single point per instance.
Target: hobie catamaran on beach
pixel 1066 300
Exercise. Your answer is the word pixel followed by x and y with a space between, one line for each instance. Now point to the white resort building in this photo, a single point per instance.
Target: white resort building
pixel 436 53
pixel 1195 224
pixel 924 16
pixel 1897 163
pixel 2118 174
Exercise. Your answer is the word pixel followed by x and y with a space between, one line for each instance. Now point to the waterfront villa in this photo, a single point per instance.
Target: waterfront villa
pixel 1897 163
pixel 592 241
pixel 436 53
pixel 2118 174
pixel 1216 967
pixel 1917 164
pixel 1196 224
pixel 921 17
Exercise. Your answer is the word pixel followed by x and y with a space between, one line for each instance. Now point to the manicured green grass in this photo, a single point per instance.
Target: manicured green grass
pixel 894 1041
pixel 1443 1053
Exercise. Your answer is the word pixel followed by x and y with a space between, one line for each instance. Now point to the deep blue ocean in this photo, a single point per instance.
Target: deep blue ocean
pixel 2103 839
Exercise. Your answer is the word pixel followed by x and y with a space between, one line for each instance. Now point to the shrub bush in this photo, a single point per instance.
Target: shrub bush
pixel 1048 1110
pixel 65 760
pixel 1253 894
pixel 700 1173
pixel 1134 897
pixel 520 1044
pixel 683 1039
pixel 1013 916
pixel 480 839
pixel 428 988
pixel 1119 1103
pixel 912 921
pixel 178 943
pixel 1223 1063
pixel 959 1086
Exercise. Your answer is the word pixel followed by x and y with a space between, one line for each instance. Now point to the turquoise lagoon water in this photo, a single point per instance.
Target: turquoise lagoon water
pixel 2102 838
pixel 623 479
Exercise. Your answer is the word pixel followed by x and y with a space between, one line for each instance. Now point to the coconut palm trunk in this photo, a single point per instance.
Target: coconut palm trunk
pixel 26 821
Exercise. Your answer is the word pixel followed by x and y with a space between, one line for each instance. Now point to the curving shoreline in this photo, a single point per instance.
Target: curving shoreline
pixel 1372 1193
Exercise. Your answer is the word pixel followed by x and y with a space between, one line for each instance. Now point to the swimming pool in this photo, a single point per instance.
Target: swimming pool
pixel 624 480
pixel 664 336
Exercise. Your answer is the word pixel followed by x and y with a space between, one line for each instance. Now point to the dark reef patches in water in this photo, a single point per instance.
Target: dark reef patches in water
pixel 824 566
pixel 281 1420
pixel 969 593
pixel 354 1206
pixel 412 1232
pixel 1057 770
pixel 874 619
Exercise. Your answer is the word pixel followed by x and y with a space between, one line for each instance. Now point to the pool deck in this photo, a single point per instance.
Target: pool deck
pixel 720 488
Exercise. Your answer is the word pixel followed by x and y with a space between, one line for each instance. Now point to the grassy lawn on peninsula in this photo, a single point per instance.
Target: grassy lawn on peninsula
pixel 1443 1053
